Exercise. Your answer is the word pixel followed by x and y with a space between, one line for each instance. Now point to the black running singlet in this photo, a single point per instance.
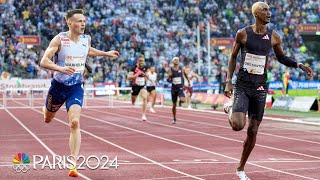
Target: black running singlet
pixel 177 79
pixel 140 80
pixel 254 57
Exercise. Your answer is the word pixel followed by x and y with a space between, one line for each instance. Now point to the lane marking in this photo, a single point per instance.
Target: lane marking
pixel 39 140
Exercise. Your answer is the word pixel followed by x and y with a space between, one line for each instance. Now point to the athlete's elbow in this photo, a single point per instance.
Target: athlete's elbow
pixel 42 63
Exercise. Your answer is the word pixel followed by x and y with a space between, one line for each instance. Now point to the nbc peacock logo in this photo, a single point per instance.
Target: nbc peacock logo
pixel 21 162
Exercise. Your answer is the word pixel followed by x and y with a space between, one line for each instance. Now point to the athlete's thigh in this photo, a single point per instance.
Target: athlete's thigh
pixel 241 100
pixel 74 112
pixel 153 92
pixel 143 93
pixel 174 95
pixel 257 103
pixel 181 95
pixel 75 97
pixel 57 95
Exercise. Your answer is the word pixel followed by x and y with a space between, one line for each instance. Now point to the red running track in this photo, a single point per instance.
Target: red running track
pixel 200 146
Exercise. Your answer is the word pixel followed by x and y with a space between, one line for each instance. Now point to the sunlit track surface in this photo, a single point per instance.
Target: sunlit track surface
pixel 200 146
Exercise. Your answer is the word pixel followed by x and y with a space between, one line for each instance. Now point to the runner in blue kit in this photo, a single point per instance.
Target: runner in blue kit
pixel 175 75
pixel 72 48
pixel 255 43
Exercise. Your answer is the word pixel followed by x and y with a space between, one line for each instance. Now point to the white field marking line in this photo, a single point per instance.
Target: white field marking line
pixel 264 117
pixel 208 134
pixel 221 174
pixel 39 140
pixel 291 129
pixel 194 162
pixel 217 112
pixel 209 124
pixel 127 150
pixel 217 136
pixel 190 146
pixel 49 134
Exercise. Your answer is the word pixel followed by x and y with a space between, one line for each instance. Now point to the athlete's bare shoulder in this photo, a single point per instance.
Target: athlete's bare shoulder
pixel 56 41
pixel 241 36
pixel 275 38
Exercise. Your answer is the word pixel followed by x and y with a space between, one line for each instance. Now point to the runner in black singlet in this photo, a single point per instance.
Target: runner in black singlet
pixel 250 94
pixel 138 76
pixel 175 75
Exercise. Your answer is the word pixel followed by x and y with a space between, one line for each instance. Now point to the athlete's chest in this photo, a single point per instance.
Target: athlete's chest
pixel 258 43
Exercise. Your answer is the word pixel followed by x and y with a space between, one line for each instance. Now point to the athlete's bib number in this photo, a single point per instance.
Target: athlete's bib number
pixel 176 80
pixel 140 81
pixel 254 64
pixel 75 61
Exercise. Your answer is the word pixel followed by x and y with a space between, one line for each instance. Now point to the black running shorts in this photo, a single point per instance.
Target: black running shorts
pixel 151 88
pixel 136 90
pixel 250 98
pixel 175 93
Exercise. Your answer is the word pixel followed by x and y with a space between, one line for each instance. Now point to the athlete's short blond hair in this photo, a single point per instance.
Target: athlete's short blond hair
pixel 255 6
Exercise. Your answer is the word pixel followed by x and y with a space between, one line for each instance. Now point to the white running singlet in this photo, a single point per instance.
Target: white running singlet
pixel 153 78
pixel 74 55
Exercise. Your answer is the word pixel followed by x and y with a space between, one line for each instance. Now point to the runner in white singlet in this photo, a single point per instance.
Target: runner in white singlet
pixel 72 48
pixel 151 88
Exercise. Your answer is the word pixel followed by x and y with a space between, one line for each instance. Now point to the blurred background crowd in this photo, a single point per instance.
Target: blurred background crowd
pixel 159 29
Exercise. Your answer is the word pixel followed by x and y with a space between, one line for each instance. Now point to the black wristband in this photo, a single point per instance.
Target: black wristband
pixel 287 61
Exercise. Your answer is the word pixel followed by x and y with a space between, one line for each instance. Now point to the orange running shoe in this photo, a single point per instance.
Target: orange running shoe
pixel 73 172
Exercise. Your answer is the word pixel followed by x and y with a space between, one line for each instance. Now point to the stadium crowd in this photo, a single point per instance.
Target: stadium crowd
pixel 160 29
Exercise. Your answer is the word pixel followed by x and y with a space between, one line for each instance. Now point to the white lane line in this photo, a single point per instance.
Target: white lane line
pixel 223 174
pixel 208 134
pixel 226 127
pixel 127 150
pixel 176 161
pixel 189 145
pixel 39 140
pixel 176 142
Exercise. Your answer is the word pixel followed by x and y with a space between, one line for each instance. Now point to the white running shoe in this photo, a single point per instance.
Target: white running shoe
pixel 144 118
pixel 152 110
pixel 189 107
pixel 227 106
pixel 242 175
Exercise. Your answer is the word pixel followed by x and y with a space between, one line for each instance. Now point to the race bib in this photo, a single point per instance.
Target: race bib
pixel 75 61
pixel 255 64
pixel 140 81
pixel 176 80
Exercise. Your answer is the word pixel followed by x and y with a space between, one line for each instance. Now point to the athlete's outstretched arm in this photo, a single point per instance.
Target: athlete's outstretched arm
pixel 285 60
pixel 46 61
pixel 96 52
pixel 240 37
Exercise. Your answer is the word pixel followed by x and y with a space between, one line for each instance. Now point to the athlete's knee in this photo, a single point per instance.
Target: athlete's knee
pixel 237 127
pixel 74 124
pixel 48 116
pixel 174 105
pixel 237 122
